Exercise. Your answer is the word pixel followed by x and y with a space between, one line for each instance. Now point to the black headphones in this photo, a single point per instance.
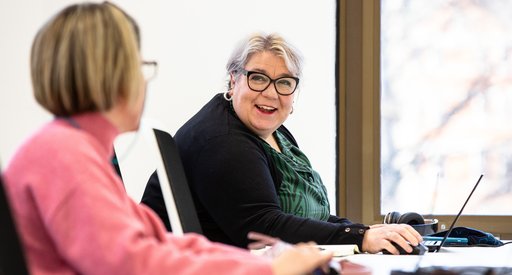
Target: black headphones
pixel 410 218
pixel 422 225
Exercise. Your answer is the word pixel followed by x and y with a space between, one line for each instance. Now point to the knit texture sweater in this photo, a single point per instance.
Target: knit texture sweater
pixel 74 216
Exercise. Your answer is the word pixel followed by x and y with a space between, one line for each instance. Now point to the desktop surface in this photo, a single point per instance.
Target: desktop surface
pixel 448 257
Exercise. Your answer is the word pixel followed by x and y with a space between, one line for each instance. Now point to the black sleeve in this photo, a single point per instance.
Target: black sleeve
pixel 232 179
pixel 153 198
pixel 336 219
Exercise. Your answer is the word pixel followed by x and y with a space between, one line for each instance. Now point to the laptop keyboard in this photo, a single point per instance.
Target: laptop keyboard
pixel 431 243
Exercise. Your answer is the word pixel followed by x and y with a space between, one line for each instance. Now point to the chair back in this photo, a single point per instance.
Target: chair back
pixel 175 190
pixel 12 259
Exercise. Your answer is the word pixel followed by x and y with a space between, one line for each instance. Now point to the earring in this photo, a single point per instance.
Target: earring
pixel 227 97
pixel 291 112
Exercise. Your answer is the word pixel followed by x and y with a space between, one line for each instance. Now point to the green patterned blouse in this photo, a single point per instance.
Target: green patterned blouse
pixel 302 192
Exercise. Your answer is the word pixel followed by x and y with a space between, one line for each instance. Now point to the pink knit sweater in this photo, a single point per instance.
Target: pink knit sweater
pixel 74 216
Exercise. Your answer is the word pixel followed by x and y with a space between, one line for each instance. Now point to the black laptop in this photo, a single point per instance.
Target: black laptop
pixel 435 245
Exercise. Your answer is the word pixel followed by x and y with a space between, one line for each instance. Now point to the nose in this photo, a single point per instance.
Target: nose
pixel 271 91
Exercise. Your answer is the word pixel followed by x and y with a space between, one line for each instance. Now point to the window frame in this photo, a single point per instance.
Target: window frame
pixel 358 115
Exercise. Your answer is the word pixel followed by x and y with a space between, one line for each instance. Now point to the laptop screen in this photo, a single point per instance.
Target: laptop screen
pixel 458 215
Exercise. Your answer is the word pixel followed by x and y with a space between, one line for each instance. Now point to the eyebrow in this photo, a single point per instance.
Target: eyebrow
pixel 265 72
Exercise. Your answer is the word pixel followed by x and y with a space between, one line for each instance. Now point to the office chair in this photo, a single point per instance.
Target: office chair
pixel 12 260
pixel 179 205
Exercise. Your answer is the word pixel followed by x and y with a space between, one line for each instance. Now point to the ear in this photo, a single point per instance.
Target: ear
pixel 232 80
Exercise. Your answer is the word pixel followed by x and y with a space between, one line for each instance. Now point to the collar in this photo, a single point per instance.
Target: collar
pixel 98 126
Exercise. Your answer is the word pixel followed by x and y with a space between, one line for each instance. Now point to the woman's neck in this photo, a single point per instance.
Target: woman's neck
pixel 272 141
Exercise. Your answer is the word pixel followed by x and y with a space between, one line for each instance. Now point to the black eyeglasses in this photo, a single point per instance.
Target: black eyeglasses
pixel 149 69
pixel 259 82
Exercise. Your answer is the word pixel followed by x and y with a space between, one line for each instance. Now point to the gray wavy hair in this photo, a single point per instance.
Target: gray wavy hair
pixel 261 42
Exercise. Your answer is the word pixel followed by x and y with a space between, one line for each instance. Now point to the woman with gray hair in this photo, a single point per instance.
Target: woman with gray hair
pixel 245 169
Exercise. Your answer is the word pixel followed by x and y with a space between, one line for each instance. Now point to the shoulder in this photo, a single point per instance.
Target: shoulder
pixel 50 160
pixel 200 147
pixel 214 125
pixel 68 142
pixel 234 148
pixel 211 119
pixel 54 146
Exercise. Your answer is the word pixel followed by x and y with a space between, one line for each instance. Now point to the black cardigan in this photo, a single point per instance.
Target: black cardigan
pixel 234 184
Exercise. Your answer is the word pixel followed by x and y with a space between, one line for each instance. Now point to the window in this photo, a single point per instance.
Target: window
pixel 426 86
pixel 446 92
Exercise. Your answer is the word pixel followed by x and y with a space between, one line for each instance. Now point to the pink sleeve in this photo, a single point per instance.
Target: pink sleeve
pixel 239 262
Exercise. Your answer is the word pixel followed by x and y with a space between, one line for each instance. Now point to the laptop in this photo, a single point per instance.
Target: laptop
pixel 434 244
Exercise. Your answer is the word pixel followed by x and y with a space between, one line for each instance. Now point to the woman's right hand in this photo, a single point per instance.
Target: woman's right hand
pixel 301 259
pixel 382 236
pixel 289 259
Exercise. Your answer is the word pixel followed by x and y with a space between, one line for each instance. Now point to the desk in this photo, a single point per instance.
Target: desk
pixel 447 257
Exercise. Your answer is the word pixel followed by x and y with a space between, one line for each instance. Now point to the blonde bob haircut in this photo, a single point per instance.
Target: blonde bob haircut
pixel 86 59
pixel 260 42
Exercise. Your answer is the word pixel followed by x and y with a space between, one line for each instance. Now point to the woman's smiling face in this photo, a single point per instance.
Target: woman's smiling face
pixel 262 112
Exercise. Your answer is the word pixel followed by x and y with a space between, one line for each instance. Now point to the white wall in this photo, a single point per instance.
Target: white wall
pixel 191 40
